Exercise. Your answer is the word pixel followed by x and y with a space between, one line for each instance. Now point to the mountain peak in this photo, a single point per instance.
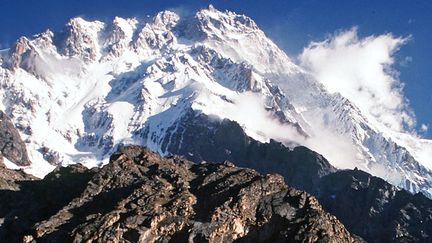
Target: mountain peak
pixel 80 39
pixel 226 18
pixel 119 35
pixel 93 86
pixel 166 19
pixel 82 24
pixel 125 24
pixel 16 52
pixel 211 7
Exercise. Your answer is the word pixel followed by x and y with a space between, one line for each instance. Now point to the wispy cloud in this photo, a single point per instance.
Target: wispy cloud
pixel 361 69
pixel 406 61
pixel 248 109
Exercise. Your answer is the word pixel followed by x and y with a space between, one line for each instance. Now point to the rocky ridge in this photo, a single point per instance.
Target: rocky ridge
pixel 374 209
pixel 142 197
pixel 368 206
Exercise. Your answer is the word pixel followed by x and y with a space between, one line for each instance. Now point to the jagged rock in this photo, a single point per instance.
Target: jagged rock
pixel 50 156
pixel 79 38
pixel 142 197
pixel 374 209
pixel 26 200
pixel 19 48
pixel 11 145
pixel 368 206
pixel 199 137
pixel 10 179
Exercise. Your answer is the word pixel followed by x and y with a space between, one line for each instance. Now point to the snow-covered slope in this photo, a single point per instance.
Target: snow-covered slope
pixel 77 94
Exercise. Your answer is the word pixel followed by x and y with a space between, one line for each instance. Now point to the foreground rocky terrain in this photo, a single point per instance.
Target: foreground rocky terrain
pixel 368 206
pixel 142 197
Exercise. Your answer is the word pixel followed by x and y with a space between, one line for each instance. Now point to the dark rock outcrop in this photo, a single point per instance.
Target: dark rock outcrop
pixel 201 138
pixel 141 197
pixel 25 200
pixel 11 145
pixel 374 209
pixel 10 179
pixel 368 206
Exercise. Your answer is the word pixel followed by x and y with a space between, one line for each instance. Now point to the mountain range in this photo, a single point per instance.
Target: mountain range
pixel 208 86
pixel 77 94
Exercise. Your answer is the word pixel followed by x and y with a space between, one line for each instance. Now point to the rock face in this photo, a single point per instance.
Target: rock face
pixel 368 206
pixel 141 197
pixel 11 145
pixel 26 199
pixel 10 179
pixel 199 137
pixel 377 211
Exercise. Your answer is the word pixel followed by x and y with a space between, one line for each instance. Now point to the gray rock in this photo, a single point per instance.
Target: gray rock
pixel 11 145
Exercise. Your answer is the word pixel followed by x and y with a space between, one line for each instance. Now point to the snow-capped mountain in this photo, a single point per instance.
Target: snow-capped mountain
pixel 78 94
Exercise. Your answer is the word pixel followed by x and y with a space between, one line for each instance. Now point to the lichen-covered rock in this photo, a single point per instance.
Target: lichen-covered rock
pixel 142 197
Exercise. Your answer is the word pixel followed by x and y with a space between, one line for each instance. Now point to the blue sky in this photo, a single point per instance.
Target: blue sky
pixel 291 24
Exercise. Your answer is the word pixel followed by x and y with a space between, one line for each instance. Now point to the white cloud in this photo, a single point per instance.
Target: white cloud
pixel 424 127
pixel 248 110
pixel 361 70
